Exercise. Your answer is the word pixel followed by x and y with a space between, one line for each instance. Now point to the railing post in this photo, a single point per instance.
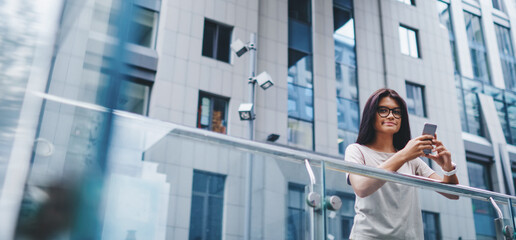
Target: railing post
pixel 503 231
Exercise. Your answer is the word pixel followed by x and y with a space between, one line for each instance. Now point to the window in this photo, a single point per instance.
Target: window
pixel 469 105
pixel 300 133
pixel 216 40
pixel 431 225
pixel 340 224
pixel 300 75
pixel 212 112
pixel 415 99
pixel 498 4
pixel 408 41
pixel 300 10
pixel 346 73
pixel 507 58
pixel 408 2
pixel 142 30
pixel 445 19
pixel 134 96
pixel 483 213
pixel 296 212
pixel 207 206
pixel 477 48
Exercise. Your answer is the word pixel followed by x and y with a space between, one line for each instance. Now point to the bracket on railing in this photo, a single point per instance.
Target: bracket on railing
pixel 502 231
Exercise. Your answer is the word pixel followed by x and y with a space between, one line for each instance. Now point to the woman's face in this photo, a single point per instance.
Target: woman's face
pixel 388 116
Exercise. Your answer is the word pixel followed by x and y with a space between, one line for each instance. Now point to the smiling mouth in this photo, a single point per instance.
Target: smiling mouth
pixel 390 124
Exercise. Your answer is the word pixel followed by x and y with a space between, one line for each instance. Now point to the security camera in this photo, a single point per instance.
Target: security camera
pixel 264 80
pixel 246 112
pixel 239 47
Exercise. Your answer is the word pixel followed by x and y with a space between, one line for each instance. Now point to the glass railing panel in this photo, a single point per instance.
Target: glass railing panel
pixel 279 189
pixel 472 216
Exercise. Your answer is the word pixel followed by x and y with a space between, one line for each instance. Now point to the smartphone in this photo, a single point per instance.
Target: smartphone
pixel 430 130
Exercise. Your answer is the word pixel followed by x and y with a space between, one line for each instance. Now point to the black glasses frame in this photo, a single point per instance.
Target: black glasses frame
pixel 389 111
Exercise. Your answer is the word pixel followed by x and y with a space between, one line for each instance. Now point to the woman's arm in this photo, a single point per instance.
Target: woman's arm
pixel 443 159
pixel 365 186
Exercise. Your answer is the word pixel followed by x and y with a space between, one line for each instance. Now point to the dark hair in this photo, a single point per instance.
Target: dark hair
pixel 367 133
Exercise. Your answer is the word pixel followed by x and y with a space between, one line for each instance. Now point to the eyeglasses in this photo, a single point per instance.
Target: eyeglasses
pixel 385 111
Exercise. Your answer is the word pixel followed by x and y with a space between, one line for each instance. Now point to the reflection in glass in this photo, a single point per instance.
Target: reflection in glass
pixel 431 225
pixel 296 212
pixel 348 113
pixel 501 110
pixel 300 68
pixel 472 110
pixel 498 4
pixel 300 133
pixel 300 102
pixel 134 97
pixel 415 99
pixel 345 138
pixel 143 27
pixel 207 205
pixel 300 75
pixel 477 48
pixel 507 58
pixel 483 213
pixel 340 222
pixel 444 13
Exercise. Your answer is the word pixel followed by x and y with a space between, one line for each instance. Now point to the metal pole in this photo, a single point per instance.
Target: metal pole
pixel 249 172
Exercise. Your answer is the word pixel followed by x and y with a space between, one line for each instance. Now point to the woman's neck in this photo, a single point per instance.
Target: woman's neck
pixel 382 143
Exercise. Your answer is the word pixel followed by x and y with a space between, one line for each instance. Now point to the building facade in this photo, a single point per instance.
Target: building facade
pixel 452 61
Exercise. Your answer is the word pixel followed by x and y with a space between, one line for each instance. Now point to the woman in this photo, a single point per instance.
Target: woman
pixel 386 210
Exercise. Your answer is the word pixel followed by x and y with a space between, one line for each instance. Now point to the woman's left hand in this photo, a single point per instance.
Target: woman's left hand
pixel 442 156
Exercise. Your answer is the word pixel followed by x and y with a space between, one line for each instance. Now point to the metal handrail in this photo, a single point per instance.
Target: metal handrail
pixel 337 164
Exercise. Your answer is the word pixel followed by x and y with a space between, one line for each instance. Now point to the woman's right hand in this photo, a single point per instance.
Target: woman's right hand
pixel 415 147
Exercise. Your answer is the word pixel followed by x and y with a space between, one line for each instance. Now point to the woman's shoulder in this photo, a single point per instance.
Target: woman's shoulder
pixel 353 147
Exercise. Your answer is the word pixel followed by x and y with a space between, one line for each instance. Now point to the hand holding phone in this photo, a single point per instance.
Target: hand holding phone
pixel 429 129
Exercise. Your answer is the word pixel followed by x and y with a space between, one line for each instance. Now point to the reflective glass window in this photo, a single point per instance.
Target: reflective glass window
pixel 483 213
pixel 409 41
pixel 300 10
pixel 431 225
pixel 348 112
pixel 346 77
pixel 472 104
pixel 296 212
pixel 415 99
pixel 216 40
pixel 300 75
pixel 477 48
pixel 511 114
pixel 498 4
pixel 300 68
pixel 206 212
pixel 345 138
pixel 300 102
pixel 212 113
pixel 299 36
pixel 443 10
pixel 503 35
pixel 502 116
pixel 134 97
pixel 300 133
pixel 143 27
pixel 340 225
